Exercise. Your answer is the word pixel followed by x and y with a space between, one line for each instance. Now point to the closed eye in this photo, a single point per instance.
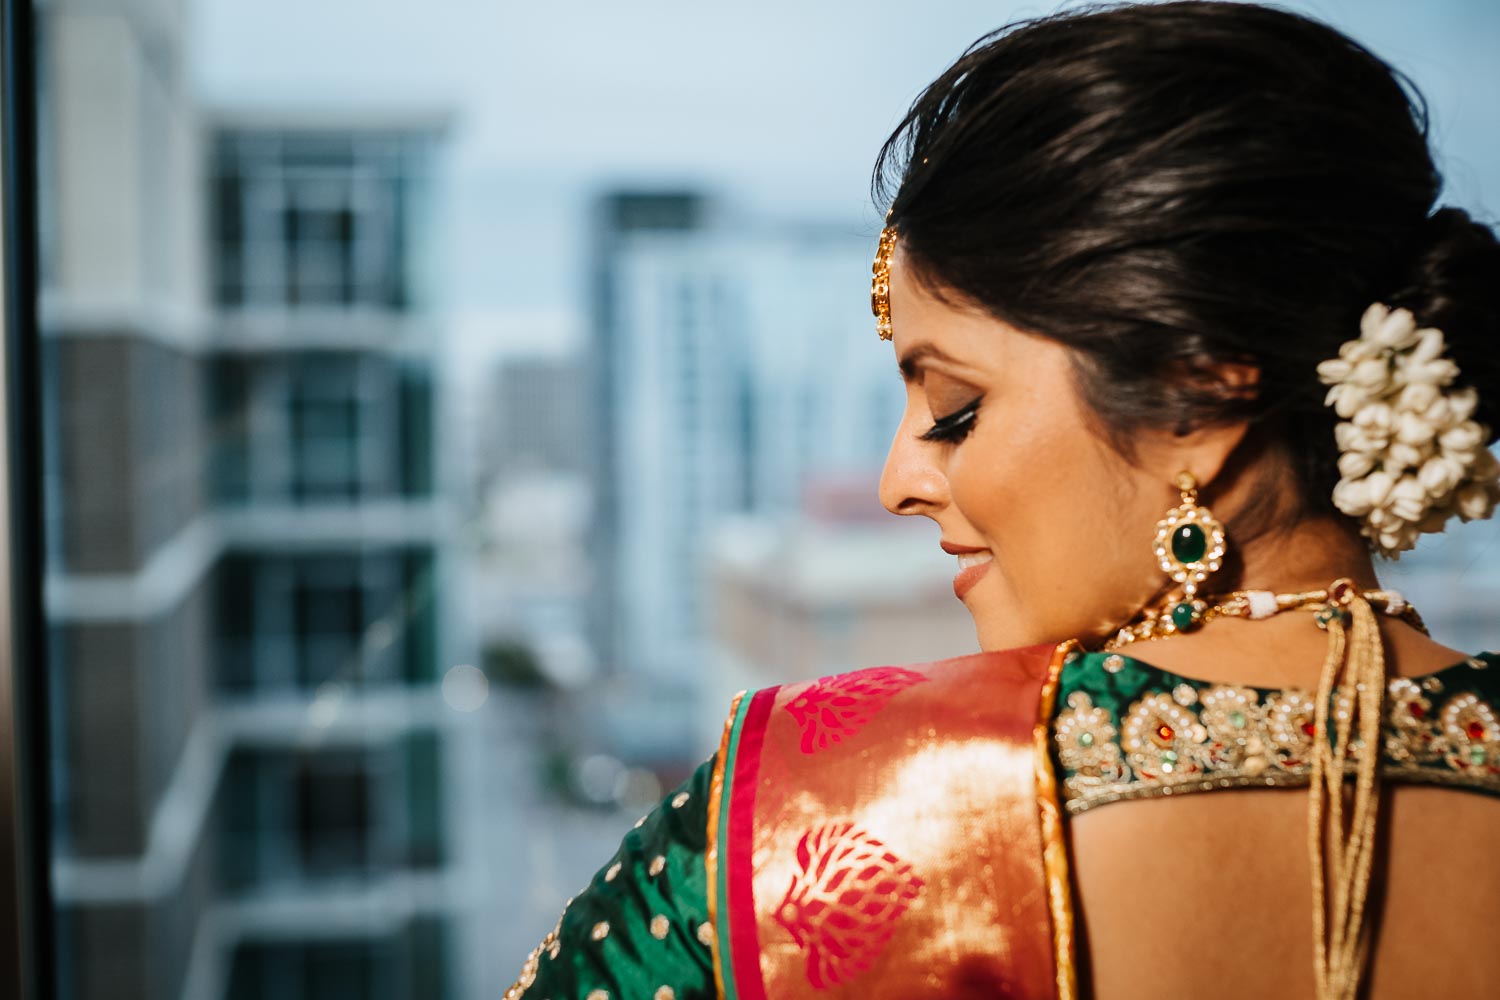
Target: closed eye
pixel 955 426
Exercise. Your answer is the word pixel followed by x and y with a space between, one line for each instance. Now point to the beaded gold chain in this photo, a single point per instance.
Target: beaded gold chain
pixel 1157 621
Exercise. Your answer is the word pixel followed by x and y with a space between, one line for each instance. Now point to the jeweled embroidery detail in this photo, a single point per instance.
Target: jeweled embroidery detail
pixel 844 900
pixel 1086 742
pixel 1291 717
pixel 1471 734
pixel 832 709
pixel 1162 738
pixel 1231 736
pixel 1236 724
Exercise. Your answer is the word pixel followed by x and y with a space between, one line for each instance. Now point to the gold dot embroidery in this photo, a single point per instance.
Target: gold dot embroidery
pixel 657 864
pixel 599 995
pixel 659 927
pixel 705 934
pixel 614 870
pixel 639 822
pixel 665 993
pixel 1113 662
pixel 600 931
pixel 679 800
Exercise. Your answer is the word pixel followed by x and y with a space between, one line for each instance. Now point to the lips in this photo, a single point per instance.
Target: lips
pixel 972 565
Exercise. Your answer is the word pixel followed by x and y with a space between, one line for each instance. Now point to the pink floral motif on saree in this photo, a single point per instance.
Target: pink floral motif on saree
pixel 833 709
pixel 844 900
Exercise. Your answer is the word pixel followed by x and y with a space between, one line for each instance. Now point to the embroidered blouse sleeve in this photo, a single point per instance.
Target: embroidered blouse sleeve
pixel 640 928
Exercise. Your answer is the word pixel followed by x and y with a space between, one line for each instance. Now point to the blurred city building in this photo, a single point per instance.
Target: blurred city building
pixel 246 530
pixel 830 587
pixel 735 374
pixel 330 641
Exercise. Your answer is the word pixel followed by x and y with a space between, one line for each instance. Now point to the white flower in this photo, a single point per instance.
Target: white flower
pixel 1429 346
pixel 1408 499
pixel 1407 456
pixel 1440 474
pixel 1413 428
pixel 1462 437
pixel 1438 372
pixel 1386 328
pixel 1355 351
pixel 1379 486
pixel 1352 496
pixel 1375 416
pixel 1417 396
pixel 1353 464
pixel 1439 412
pixel 1346 399
pixel 1370 373
pixel 1410 454
pixel 1353 438
pixel 1334 370
pixel 1462 402
pixel 1395 541
pixel 1474 501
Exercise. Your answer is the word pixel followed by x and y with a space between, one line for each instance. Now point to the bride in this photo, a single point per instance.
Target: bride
pixel 1187 345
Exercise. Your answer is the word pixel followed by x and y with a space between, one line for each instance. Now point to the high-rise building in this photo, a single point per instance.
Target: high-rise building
pixel 618 218
pixel 131 546
pixel 741 364
pixel 246 526
pixel 328 632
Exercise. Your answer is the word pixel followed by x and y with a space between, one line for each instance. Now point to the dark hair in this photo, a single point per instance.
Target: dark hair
pixel 1166 186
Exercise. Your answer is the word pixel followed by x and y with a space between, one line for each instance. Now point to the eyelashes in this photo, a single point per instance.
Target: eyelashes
pixel 955 426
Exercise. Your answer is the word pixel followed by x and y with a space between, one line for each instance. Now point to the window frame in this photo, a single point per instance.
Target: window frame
pixel 27 919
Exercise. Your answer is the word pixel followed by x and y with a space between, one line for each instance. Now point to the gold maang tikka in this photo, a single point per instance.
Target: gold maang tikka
pixel 880 282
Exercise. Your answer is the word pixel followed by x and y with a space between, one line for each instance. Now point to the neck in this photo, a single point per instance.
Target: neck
pixel 1310 555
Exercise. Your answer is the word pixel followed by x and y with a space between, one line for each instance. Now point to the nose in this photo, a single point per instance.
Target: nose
pixel 912 482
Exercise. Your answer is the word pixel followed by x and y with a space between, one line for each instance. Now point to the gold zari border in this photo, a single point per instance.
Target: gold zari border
pixel 711 853
pixel 1054 844
pixel 1408 773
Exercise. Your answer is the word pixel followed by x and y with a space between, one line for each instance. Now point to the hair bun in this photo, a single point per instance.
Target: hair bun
pixel 1454 284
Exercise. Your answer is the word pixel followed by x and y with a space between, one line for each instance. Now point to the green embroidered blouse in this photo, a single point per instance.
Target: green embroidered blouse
pixel 1122 729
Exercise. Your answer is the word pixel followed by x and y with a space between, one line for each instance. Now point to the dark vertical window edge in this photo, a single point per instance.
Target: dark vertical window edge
pixel 27 923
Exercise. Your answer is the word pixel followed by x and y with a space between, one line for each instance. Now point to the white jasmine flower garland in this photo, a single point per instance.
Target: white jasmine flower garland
pixel 1411 456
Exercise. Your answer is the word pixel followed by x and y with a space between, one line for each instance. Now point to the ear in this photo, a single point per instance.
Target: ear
pixel 1203 450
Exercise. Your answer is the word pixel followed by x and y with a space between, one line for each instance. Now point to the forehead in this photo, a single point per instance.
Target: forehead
pixel 929 329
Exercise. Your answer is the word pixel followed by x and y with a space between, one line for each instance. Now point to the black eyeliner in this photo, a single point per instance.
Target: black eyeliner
pixel 955 425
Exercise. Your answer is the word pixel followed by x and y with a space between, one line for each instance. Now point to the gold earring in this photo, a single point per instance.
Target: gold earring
pixel 1189 545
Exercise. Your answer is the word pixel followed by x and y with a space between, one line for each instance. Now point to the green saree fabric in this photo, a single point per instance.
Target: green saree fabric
pixel 640 928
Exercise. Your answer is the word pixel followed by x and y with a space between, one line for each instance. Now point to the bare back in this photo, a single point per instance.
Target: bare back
pixel 1210 894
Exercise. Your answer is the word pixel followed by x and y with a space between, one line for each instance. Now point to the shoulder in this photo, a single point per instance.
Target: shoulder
pixel 822 713
pixel 641 926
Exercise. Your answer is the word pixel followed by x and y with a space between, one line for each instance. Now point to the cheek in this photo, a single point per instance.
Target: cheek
pixel 1022 477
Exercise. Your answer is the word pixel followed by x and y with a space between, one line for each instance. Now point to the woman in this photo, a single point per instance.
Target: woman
pixel 1185 345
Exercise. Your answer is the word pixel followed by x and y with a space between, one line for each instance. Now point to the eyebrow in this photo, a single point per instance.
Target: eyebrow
pixel 909 362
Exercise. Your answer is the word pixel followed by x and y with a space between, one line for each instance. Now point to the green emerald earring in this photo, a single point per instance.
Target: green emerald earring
pixel 1189 545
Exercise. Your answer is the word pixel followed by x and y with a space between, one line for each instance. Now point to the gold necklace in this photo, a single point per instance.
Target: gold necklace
pixel 1179 613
